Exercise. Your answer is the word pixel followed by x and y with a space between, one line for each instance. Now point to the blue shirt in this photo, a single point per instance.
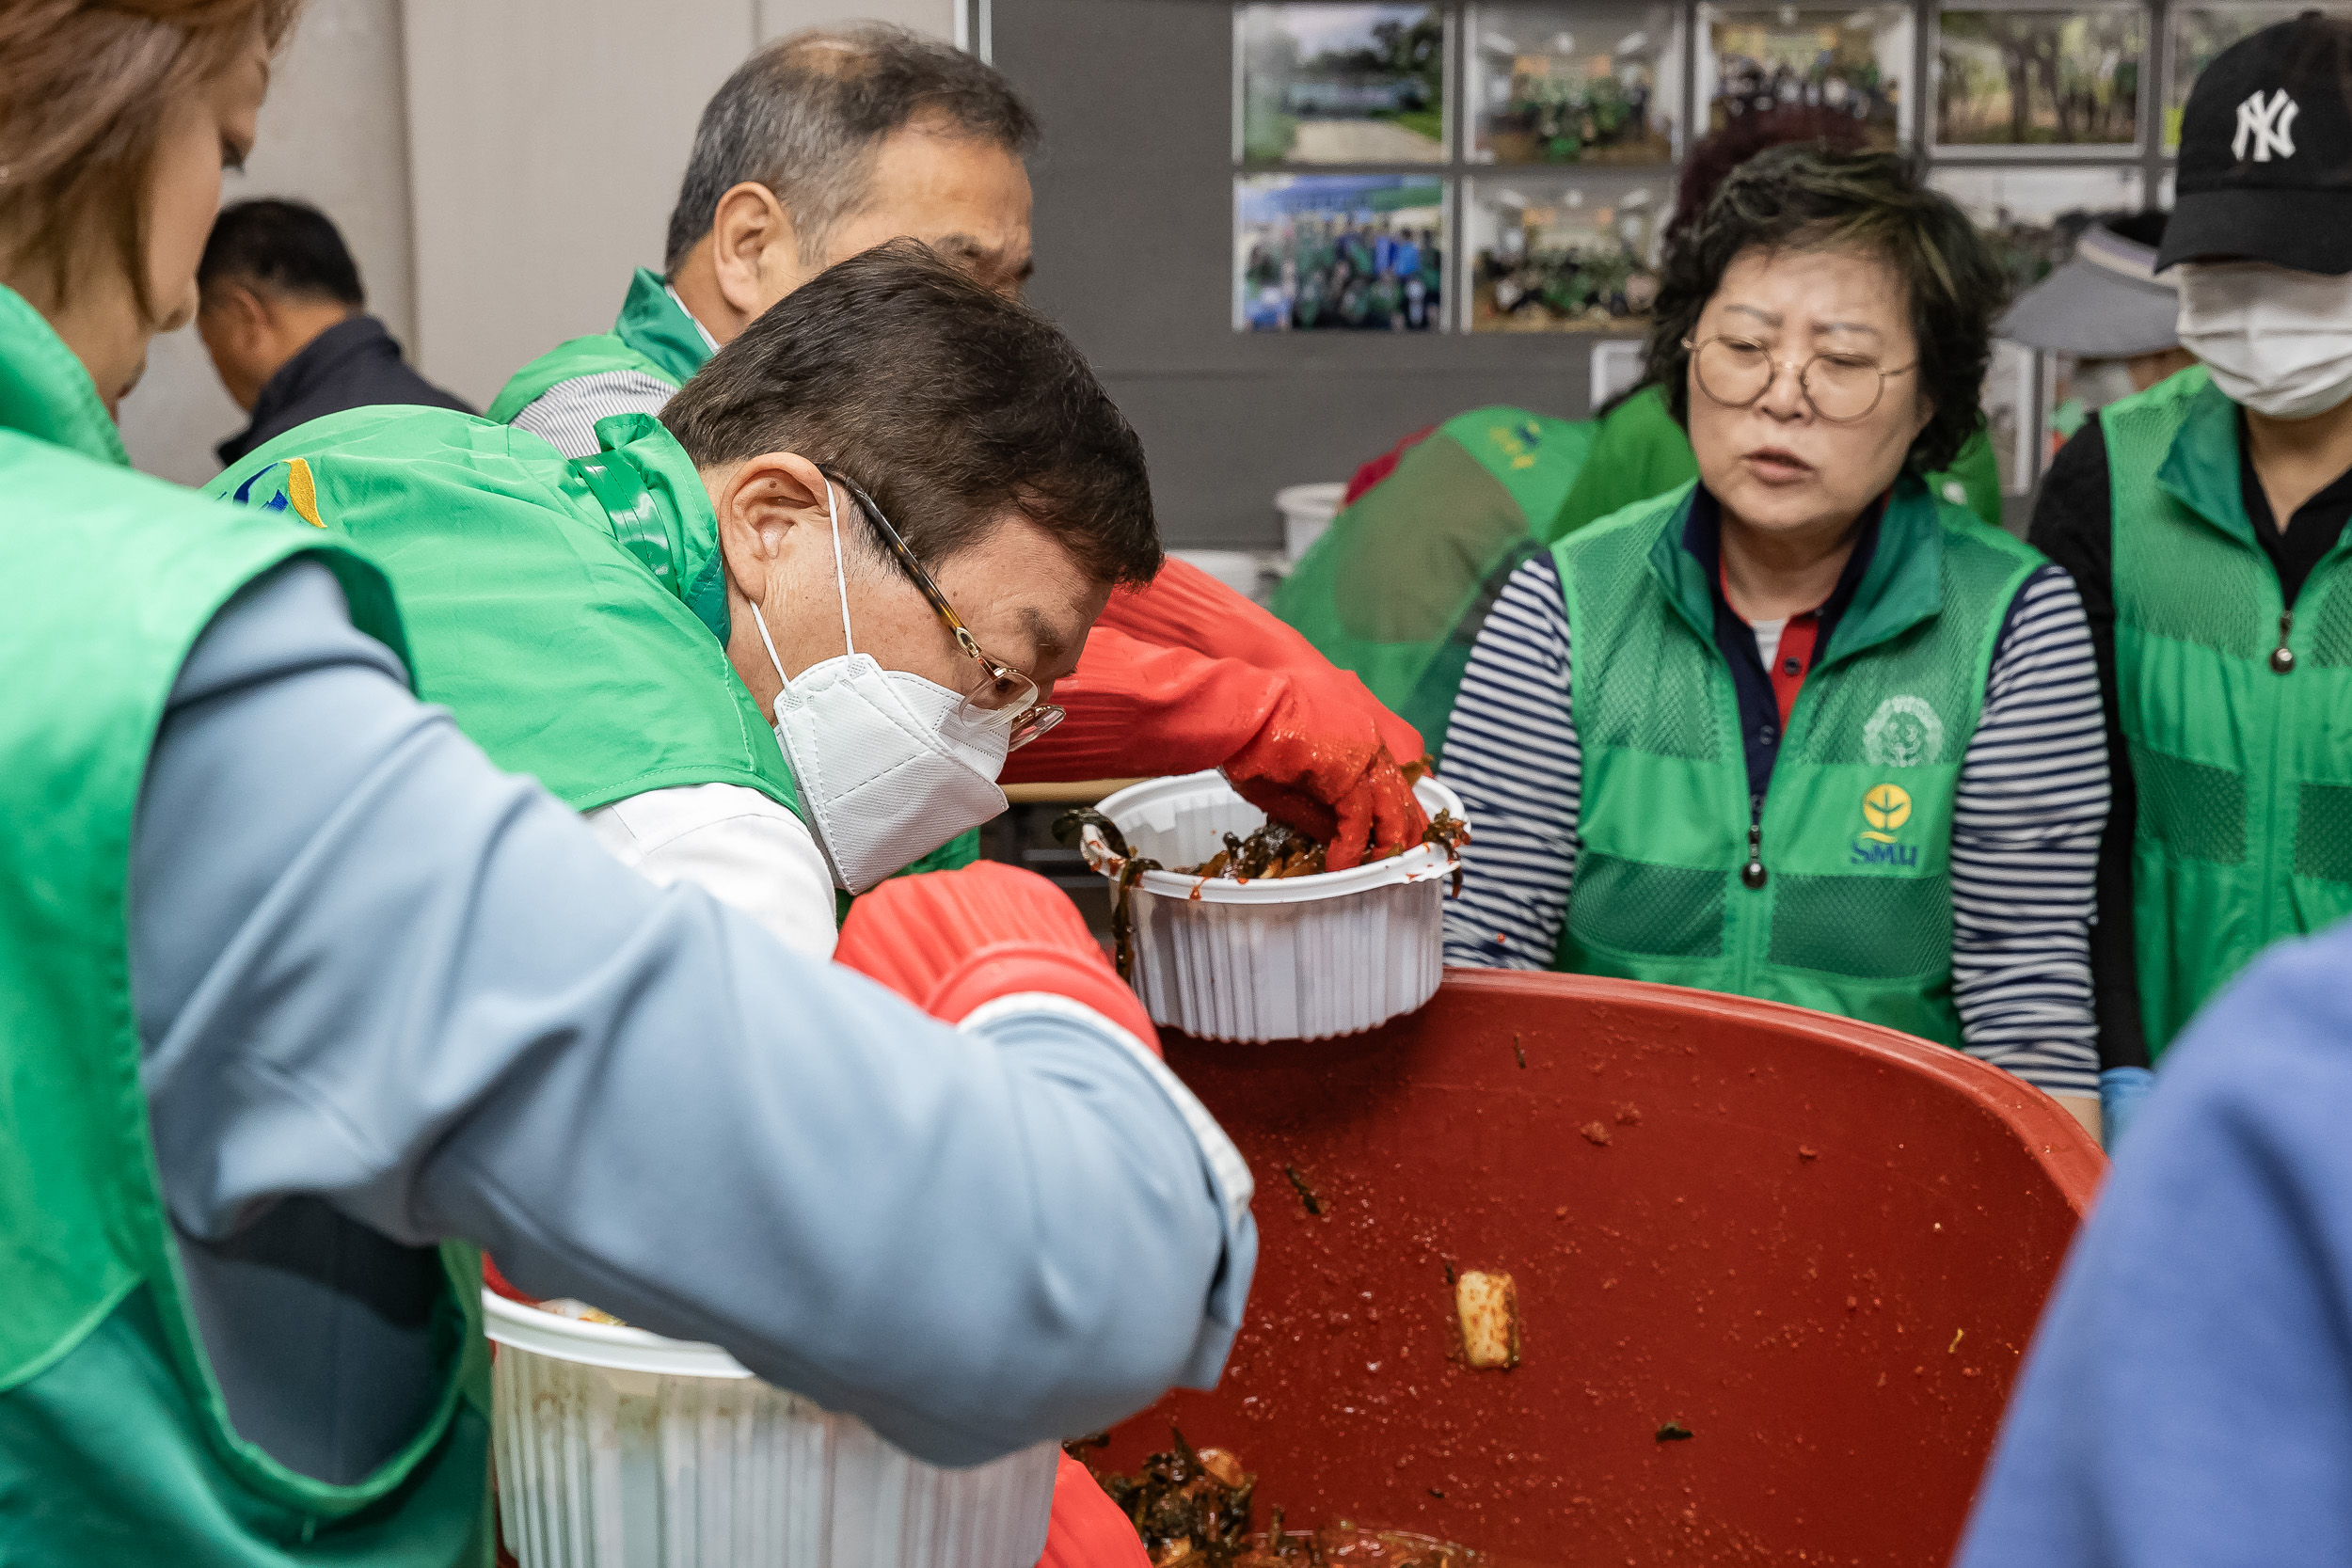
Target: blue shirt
pixel 2188 1400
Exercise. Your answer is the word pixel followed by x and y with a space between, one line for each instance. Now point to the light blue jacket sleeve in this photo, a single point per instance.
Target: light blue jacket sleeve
pixel 2188 1402
pixel 375 971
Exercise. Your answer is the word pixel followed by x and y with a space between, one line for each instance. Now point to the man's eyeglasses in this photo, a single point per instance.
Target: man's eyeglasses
pixel 1842 388
pixel 1004 698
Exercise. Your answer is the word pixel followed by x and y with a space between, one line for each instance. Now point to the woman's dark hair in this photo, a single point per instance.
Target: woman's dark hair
pixel 949 405
pixel 1714 155
pixel 1806 197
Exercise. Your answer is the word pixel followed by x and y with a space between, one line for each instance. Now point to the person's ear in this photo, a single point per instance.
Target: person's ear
pixel 759 503
pixel 751 240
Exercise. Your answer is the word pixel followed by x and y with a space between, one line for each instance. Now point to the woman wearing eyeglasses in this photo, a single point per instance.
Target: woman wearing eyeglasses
pixel 1802 729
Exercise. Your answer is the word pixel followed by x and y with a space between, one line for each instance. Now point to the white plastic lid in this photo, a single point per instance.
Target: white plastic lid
pixel 1153 802
pixel 608 1345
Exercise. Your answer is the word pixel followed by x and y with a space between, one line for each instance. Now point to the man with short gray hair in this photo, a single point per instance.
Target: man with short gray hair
pixel 830 142
pixel 820 145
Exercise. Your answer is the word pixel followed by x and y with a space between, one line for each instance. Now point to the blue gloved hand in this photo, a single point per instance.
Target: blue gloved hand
pixel 2121 1090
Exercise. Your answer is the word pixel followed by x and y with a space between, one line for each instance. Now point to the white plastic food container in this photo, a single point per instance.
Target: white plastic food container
pixel 1299 957
pixel 619 1448
pixel 1307 511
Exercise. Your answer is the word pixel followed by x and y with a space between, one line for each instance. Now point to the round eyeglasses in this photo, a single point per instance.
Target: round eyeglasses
pixel 1840 387
pixel 1004 698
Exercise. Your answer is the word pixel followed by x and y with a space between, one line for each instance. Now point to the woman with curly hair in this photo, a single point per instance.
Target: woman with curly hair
pixel 1639 451
pixel 1801 728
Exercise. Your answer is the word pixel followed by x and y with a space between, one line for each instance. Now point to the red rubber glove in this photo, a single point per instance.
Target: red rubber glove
pixel 1139 710
pixel 1087 1530
pixel 1185 608
pixel 1339 787
pixel 949 941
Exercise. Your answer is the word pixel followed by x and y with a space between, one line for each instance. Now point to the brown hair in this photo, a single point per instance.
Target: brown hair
pixel 949 405
pixel 83 98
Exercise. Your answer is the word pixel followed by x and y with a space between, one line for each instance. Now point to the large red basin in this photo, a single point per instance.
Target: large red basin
pixel 1816 1245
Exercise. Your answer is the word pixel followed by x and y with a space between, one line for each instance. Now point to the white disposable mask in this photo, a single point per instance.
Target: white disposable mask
pixel 2277 341
pixel 887 769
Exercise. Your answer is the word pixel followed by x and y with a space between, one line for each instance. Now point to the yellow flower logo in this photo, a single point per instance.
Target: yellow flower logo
pixel 1886 807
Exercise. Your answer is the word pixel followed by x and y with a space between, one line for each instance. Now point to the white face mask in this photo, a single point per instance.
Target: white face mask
pixel 2277 341
pixel 887 769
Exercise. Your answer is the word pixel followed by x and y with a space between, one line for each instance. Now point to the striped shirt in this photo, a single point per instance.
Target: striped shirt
pixel 2032 802
pixel 566 414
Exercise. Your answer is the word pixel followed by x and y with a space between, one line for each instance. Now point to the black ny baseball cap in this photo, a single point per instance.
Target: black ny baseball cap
pixel 2266 169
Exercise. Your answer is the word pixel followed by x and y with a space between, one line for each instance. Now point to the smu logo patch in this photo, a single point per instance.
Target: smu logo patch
pixel 1884 810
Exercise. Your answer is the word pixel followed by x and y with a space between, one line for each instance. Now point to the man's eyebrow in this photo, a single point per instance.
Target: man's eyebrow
pixel 1846 326
pixel 1044 634
pixel 1770 318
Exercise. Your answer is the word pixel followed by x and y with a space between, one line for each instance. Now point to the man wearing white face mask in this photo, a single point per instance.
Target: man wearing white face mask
pixel 2203 521
pixel 709 637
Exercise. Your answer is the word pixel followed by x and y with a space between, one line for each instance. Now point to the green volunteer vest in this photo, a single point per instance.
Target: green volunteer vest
pixel 1398 587
pixel 654 335
pixel 2238 715
pixel 1640 452
pixel 651 335
pixel 115 1443
pixel 570 613
pixel 1854 913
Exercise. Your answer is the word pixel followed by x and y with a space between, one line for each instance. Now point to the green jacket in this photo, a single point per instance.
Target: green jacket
pixel 651 335
pixel 571 614
pixel 1640 452
pixel 2237 714
pixel 1834 891
pixel 116 1445
pixel 1397 588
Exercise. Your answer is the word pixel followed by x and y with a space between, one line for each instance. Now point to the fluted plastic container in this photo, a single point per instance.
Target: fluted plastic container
pixel 619 1448
pixel 1297 958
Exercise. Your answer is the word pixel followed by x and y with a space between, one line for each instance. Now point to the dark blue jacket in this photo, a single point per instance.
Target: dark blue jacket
pixel 352 364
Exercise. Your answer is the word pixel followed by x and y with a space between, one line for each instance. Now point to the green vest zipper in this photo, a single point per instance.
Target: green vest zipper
pixel 1832 891
pixel 2231 706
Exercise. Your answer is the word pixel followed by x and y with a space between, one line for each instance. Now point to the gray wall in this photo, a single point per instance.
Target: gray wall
pixel 1134 237
pixel 334 132
pixel 497 170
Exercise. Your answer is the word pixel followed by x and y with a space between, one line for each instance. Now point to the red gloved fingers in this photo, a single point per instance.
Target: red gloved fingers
pixel 1137 708
pixel 1380 811
pixel 1086 1530
pixel 1299 813
pixel 1184 607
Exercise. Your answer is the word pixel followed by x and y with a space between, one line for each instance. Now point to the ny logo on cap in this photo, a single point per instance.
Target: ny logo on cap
pixel 2270 125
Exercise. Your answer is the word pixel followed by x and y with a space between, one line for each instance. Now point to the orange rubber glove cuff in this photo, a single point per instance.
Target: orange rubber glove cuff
pixel 1010 968
pixel 1086 1528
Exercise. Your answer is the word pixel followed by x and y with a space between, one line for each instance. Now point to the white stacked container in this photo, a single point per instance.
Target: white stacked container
pixel 1307 512
pixel 619 1448
pixel 1297 958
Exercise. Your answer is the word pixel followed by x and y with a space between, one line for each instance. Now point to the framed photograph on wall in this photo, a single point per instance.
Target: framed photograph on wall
pixel 1573 83
pixel 1550 253
pixel 1340 83
pixel 2015 76
pixel 1757 58
pixel 1339 253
